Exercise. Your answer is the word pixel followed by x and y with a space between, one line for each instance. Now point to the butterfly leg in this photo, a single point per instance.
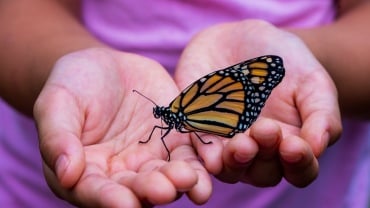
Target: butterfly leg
pixel 168 129
pixel 164 143
pixel 150 136
pixel 200 139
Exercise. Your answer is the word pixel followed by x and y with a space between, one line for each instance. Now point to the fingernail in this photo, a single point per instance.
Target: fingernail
pixel 61 165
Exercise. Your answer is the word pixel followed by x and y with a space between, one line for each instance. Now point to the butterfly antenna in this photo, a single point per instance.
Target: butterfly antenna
pixel 145 97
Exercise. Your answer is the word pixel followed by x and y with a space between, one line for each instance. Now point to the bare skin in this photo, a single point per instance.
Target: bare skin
pixel 89 122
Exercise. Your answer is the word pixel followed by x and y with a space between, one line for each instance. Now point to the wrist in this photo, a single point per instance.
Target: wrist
pixel 313 38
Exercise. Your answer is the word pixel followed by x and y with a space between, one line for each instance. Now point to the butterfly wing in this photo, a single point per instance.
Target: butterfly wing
pixel 265 73
pixel 228 101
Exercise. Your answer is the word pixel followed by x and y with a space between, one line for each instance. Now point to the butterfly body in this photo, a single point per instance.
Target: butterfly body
pixel 224 102
pixel 171 119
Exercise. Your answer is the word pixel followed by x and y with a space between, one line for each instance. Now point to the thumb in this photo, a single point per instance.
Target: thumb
pixel 59 128
pixel 320 114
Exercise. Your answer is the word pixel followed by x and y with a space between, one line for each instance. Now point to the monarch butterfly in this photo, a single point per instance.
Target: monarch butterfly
pixel 224 102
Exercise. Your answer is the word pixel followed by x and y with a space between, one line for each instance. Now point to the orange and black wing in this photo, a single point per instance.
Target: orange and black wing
pixel 228 101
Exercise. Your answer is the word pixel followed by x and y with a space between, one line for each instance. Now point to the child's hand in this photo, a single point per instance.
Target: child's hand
pixel 300 119
pixel 90 123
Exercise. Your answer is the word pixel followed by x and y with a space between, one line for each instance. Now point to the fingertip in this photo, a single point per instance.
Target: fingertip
pixel 210 154
pixel 265 129
pixel 320 131
pixel 240 151
pixel 202 191
pixel 69 166
pixel 299 162
pixel 238 154
pixel 180 174
pixel 199 185
pixel 293 149
pixel 154 187
pixel 268 135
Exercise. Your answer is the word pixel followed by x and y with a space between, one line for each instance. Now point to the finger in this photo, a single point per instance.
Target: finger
pixel 200 190
pixel 268 135
pixel 299 163
pixel 160 182
pixel 154 187
pixel 238 154
pixel 319 109
pixel 321 129
pixel 97 190
pixel 266 169
pixel 54 184
pixel 210 154
pixel 188 177
pixel 182 172
pixel 94 190
pixel 59 131
pixel 181 175
pixel 263 173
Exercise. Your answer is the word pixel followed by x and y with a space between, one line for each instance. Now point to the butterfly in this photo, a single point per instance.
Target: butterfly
pixel 224 102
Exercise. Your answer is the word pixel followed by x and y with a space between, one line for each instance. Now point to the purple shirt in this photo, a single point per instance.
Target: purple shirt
pixel 160 30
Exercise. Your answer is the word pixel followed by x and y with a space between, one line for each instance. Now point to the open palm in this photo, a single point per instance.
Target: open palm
pixel 300 119
pixel 90 123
